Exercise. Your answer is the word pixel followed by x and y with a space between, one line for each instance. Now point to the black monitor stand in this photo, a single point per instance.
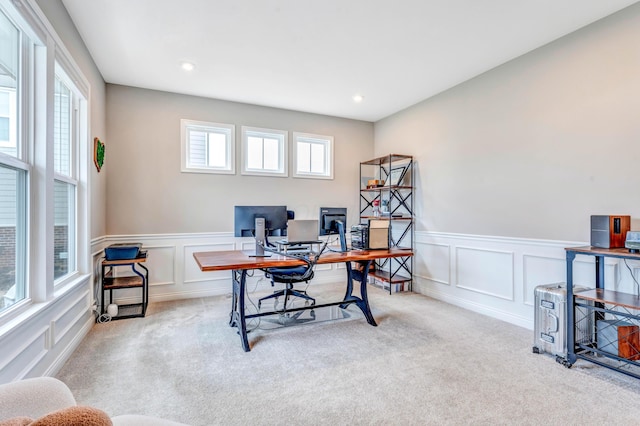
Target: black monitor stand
pixel 260 238
pixel 343 237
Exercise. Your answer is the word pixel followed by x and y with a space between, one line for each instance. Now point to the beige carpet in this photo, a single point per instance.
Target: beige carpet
pixel 427 363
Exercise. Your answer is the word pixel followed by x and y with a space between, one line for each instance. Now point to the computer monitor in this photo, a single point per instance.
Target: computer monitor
pixel 244 219
pixel 329 216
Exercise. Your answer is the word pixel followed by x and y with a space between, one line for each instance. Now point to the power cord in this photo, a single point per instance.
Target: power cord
pixel 104 318
pixel 633 277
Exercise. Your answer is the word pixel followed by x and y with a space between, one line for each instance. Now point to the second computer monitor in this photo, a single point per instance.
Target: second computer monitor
pixel 329 216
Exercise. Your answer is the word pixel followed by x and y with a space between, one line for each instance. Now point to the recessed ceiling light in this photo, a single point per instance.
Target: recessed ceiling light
pixel 187 66
pixel 358 98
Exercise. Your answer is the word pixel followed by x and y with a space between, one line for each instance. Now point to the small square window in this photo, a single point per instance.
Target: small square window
pixel 264 152
pixel 313 156
pixel 207 147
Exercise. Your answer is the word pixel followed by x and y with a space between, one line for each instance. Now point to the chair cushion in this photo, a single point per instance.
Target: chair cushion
pixel 76 415
pixel 295 270
pixel 34 397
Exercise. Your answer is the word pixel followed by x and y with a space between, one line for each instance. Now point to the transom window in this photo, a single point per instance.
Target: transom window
pixel 264 152
pixel 313 156
pixel 207 147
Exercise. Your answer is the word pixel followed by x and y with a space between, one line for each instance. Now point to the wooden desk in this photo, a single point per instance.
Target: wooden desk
pixel 239 262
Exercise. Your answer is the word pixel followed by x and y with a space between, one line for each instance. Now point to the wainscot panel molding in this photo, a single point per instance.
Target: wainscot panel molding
pixel 472 273
pixel 40 341
pixel 174 274
pixel 50 332
pixel 496 276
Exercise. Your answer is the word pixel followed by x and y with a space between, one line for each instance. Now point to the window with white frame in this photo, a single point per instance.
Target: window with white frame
pixel 44 163
pixel 264 152
pixel 207 147
pixel 14 168
pixel 312 156
pixel 65 184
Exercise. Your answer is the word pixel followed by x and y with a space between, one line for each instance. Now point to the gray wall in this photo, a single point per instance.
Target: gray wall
pixel 147 193
pixel 534 147
pixel 60 20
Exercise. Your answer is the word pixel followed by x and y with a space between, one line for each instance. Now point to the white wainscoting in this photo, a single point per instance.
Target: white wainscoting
pixel 496 276
pixel 174 274
pixel 40 341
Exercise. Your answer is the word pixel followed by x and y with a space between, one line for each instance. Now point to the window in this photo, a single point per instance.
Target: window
pixel 65 135
pixel 13 172
pixel 264 152
pixel 207 147
pixel 9 80
pixel 44 164
pixel 313 156
pixel 8 118
pixel 13 244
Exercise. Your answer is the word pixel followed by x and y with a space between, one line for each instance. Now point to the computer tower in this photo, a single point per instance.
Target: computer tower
pixel 359 235
pixel 609 231
pixel 374 236
pixel 550 320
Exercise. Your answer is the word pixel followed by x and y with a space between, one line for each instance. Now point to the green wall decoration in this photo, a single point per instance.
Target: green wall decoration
pixel 98 153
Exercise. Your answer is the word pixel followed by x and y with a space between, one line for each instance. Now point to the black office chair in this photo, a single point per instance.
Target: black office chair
pixel 291 275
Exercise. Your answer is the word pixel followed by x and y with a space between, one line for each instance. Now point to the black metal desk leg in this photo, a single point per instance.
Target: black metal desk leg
pixel 361 302
pixel 364 303
pixel 235 284
pixel 349 293
pixel 237 316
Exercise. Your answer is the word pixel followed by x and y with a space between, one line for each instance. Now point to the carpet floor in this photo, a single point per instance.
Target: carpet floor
pixel 426 363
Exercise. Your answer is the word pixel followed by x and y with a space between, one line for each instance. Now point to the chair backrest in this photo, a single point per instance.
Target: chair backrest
pixel 300 275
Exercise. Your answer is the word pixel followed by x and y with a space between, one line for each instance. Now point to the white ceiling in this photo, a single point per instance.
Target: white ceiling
pixel 314 55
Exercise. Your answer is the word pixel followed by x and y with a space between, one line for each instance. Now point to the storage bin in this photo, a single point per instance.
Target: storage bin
pixel 122 251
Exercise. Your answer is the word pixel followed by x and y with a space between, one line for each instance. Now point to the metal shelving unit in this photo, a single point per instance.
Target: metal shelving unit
pixel 394 196
pixel 137 279
pixel 613 316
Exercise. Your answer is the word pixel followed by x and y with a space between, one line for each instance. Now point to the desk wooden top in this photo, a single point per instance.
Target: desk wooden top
pixel 597 251
pixel 237 259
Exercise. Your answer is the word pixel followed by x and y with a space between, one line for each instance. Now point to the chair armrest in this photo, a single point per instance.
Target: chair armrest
pixel 34 397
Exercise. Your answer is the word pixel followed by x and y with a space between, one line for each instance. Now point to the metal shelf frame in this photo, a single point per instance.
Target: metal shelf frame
pixel 607 345
pixel 138 279
pixel 396 201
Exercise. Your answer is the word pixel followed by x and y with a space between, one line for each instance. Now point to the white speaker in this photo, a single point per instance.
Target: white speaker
pixel 112 310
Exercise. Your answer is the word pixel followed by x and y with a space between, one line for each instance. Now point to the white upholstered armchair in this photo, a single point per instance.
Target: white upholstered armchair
pixel 38 398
